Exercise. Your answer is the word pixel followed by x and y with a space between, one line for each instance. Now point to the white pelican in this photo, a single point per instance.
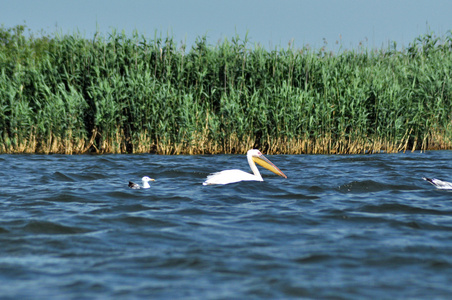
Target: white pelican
pixel 443 185
pixel 231 176
pixel 145 181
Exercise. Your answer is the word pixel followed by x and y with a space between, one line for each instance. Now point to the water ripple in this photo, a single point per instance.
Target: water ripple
pixel 347 226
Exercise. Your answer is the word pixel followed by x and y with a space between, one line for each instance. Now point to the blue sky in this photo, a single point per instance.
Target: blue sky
pixel 269 23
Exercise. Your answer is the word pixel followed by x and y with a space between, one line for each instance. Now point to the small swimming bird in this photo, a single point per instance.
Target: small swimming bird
pixel 145 180
pixel 443 185
pixel 231 176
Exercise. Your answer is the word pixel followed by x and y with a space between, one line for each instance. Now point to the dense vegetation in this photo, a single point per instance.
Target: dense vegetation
pixel 130 94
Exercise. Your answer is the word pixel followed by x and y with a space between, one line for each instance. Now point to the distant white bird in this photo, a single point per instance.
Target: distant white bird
pixel 443 185
pixel 232 176
pixel 145 180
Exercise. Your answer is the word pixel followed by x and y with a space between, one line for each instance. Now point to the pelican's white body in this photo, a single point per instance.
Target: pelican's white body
pixel 235 175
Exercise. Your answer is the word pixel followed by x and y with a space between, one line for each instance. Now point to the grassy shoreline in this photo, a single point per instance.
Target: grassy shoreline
pixel 130 94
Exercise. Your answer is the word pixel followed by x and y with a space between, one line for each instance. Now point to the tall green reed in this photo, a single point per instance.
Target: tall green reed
pixel 130 94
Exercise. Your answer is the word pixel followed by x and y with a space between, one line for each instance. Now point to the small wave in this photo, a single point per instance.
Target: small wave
pixel 295 196
pixel 400 208
pixel 367 186
pixel 135 220
pixel 182 262
pixel 46 227
pixel 313 258
pixel 66 196
pixel 58 176
pixel 72 177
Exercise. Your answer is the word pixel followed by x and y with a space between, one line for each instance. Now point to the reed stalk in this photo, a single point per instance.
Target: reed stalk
pixel 133 94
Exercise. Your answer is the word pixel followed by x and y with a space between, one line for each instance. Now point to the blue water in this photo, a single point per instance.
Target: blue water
pixel 340 227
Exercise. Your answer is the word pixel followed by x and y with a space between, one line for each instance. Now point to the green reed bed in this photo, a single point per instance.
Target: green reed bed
pixel 133 94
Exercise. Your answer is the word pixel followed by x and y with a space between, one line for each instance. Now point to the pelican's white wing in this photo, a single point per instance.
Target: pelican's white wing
pixel 444 185
pixel 230 176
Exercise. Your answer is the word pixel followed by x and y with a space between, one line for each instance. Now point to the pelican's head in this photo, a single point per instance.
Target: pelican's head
pixel 260 159
pixel 147 179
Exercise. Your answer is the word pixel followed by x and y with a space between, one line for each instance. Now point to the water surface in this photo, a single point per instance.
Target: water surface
pixel 342 227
